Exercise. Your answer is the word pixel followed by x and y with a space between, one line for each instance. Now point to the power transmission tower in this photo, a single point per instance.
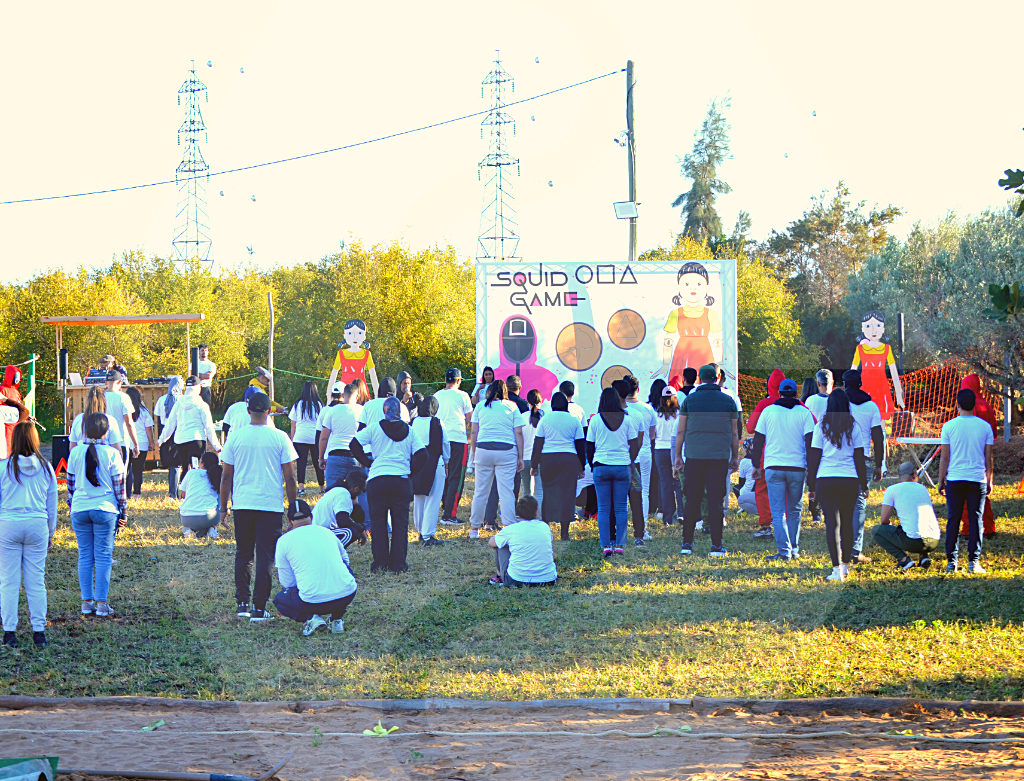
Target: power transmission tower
pixel 191 232
pixel 498 238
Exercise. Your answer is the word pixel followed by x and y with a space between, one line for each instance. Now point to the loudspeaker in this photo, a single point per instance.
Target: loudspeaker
pixel 61 450
pixel 62 368
pixel 193 362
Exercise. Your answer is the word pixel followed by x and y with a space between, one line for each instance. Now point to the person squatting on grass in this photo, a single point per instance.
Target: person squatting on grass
pixel 707 427
pixel 781 440
pixel 523 550
pixel 837 476
pixel 313 568
pixel 612 446
pixel 339 511
pixel 918 531
pixel 257 460
pixel 28 520
pixel 200 498
pixel 497 439
pixel 965 478
pixel 98 506
pixel 396 454
pixel 558 459
pixel 428 483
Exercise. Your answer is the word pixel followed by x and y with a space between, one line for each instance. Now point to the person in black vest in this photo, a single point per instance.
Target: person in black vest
pixel 428 483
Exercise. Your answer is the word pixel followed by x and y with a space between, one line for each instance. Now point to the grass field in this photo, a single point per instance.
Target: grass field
pixel 650 623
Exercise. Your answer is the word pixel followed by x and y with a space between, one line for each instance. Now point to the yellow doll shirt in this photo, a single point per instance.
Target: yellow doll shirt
pixel 882 348
pixel 714 322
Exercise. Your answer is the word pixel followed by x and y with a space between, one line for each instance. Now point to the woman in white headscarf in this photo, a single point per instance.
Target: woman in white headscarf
pixel 168 452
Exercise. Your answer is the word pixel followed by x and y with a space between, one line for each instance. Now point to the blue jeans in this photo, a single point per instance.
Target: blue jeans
pixel 173 472
pixel 612 486
pixel 94 530
pixel 786 498
pixel 859 515
pixel 338 468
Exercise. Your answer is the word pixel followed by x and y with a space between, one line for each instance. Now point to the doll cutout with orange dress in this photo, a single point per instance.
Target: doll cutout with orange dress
pixel 875 360
pixel 693 332
pixel 353 359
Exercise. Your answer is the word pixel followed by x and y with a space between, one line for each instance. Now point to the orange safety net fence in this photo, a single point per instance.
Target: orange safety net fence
pixel 930 393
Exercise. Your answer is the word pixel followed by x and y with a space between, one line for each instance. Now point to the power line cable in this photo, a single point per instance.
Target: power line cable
pixel 314 154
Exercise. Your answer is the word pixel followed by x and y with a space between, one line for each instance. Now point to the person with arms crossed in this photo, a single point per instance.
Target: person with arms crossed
pixel 455 411
pixel 918 531
pixel 965 478
pixel 207 370
pixel 257 460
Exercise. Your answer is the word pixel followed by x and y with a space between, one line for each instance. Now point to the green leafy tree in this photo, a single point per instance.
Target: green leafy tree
pixel 710 150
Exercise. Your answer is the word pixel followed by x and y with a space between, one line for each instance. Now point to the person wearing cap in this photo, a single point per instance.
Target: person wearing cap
pixel 397 452
pixel 257 460
pixel 206 370
pixel 313 568
pixel 455 411
pixel 191 426
pixel 707 428
pixel 666 423
pixel 918 531
pixel 121 409
pixel 869 420
pixel 108 362
pixel 428 483
pixel 237 415
pixel 782 438
pixel 262 383
pixel 373 410
pixel 965 478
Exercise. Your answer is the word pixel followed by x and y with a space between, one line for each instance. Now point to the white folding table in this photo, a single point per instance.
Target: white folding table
pixel 931 446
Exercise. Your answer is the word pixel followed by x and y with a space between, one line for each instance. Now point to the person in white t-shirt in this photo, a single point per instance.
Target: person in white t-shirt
pixel 207 370
pixel 918 531
pixel 237 415
pixel 200 504
pixel 781 437
pixel 646 423
pixel 304 415
pixel 339 510
pixel 869 420
pixel 836 476
pixel 455 411
pixel 95 401
pixel 373 410
pixel 119 407
pixel 313 568
pixel 666 423
pixel 558 454
pixel 568 389
pixel 497 440
pixel 339 422
pixel 523 550
pixel 612 445
pixel 816 403
pixel 258 459
pixel 168 453
pixel 144 424
pixel 965 478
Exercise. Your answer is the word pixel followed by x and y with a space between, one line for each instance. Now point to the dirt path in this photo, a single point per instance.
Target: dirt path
pixel 318 755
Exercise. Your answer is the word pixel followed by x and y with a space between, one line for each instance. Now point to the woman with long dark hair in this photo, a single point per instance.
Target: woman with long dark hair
pixel 810 388
pixel 28 519
pixel 559 457
pixel 612 445
pixel 95 401
pixel 304 416
pixel 497 440
pixel 666 423
pixel 144 424
pixel 532 484
pixel 200 498
pixel 362 393
pixel 654 399
pixel 486 378
pixel 836 476
pixel 98 506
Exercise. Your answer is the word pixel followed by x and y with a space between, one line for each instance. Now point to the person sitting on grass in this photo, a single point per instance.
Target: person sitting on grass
pixel 523 550
pixel 918 531
pixel 338 511
pixel 312 565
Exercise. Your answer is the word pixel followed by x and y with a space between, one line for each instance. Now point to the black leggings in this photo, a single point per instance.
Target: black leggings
pixel 838 497
pixel 308 452
pixel 134 486
pixel 187 451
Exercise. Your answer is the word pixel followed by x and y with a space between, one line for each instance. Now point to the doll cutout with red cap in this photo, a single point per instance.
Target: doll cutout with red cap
pixel 875 360
pixel 353 359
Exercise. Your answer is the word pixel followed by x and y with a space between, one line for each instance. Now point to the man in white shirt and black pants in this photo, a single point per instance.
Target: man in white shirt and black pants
pixel 455 411
pixel 257 459
pixel 206 370
pixel 783 435
pixel 965 478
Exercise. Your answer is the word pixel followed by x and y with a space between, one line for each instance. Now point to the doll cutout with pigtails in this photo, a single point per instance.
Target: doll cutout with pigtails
pixel 353 359
pixel 877 364
pixel 693 331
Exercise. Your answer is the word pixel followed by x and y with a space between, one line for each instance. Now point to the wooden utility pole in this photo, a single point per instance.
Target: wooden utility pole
pixel 631 154
pixel 270 344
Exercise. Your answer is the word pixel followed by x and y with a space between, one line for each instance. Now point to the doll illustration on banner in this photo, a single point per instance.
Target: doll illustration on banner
pixel 353 358
pixel 693 332
pixel 518 347
pixel 875 360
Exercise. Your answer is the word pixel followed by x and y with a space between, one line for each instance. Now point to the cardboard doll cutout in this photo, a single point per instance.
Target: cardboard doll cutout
pixel 693 330
pixel 12 397
pixel 875 360
pixel 353 359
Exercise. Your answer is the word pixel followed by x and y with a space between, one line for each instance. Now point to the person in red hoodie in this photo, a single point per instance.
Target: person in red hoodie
pixel 983 410
pixel 764 510
pixel 9 394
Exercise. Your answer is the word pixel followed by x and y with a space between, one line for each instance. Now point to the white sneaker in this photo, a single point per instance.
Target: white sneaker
pixel 659 517
pixel 845 569
pixel 474 534
pixel 337 626
pixel 212 534
pixel 837 574
pixel 699 526
pixel 103 609
pixel 187 533
pixel 312 625
pixel 647 534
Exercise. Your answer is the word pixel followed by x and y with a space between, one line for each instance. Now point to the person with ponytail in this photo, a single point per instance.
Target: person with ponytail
pixel 98 505
pixel 532 484
pixel 95 401
pixel 200 498
pixel 559 456
pixel 28 519
pixel 144 423
pixel 612 445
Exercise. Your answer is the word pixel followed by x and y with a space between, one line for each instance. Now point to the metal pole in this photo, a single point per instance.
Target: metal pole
pixel 900 336
pixel 631 154
pixel 270 344
pixel 188 349
pixel 1007 404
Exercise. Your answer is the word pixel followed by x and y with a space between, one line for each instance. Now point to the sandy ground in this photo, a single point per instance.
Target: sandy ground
pixel 317 755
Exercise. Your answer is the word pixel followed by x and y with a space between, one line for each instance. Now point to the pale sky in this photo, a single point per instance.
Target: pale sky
pixel 915 106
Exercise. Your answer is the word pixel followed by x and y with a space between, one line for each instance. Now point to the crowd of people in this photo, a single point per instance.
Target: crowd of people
pixel 538 463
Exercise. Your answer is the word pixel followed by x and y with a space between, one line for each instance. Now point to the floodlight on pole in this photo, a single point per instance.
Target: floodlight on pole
pixel 625 210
